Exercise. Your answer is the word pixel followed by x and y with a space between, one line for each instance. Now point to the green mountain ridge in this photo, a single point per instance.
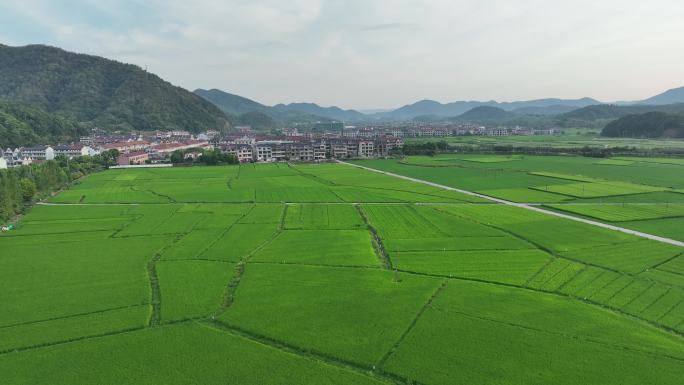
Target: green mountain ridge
pixel 98 92
pixel 23 125
pixel 285 114
pixel 485 113
pixel 654 124
pixel 612 111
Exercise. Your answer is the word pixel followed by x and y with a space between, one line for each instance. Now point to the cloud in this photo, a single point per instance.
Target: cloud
pixel 389 26
pixel 374 53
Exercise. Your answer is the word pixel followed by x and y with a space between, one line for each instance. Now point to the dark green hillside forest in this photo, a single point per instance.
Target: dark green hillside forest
pixel 21 125
pixel 97 92
pixel 648 125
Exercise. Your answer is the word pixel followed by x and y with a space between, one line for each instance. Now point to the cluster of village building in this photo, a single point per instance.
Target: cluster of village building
pixel 420 130
pixel 247 146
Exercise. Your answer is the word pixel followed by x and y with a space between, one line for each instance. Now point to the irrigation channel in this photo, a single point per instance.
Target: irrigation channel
pixel 527 206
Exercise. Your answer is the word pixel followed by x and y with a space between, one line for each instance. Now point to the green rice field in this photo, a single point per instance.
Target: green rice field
pixel 643 194
pixel 332 274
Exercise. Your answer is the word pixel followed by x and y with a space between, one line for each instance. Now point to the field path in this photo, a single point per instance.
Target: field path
pixel 527 207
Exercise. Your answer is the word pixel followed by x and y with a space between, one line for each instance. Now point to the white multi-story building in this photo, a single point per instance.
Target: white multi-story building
pixel 366 149
pixel 498 132
pixel 264 153
pixel 244 154
pixel 72 151
pixel 272 150
pixel 37 153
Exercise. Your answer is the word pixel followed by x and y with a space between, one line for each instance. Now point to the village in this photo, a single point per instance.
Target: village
pixel 329 141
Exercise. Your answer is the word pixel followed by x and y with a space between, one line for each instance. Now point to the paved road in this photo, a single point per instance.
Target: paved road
pixel 529 207
pixel 92 204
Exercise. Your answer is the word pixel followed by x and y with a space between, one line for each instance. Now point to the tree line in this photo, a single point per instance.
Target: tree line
pixel 433 148
pixel 426 148
pixel 22 186
pixel 210 157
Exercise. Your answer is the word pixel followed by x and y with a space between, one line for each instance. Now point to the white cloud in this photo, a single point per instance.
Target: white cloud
pixel 376 53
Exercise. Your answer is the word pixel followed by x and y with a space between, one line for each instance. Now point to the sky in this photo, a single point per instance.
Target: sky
pixel 368 54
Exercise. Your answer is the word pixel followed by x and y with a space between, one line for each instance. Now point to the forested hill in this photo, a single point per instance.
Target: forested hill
pixel 648 125
pixel 97 92
pixel 485 113
pixel 22 125
pixel 611 111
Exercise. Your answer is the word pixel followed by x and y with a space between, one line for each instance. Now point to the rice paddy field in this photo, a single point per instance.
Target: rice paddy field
pixel 643 194
pixel 333 274
pixel 572 138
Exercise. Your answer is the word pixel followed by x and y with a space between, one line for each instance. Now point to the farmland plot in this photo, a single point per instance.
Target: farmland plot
pixel 353 314
pixel 67 226
pixel 598 189
pixel 675 265
pixel 655 198
pixel 147 218
pixel 189 191
pixel 668 227
pixel 193 244
pixel 615 162
pixel 490 159
pixel 239 241
pixel 417 222
pixel 525 195
pixel 384 195
pixel 114 194
pixel 71 328
pixel 323 217
pixel 191 288
pixel 629 257
pixel 555 234
pixel 263 214
pixel 505 266
pixel 323 247
pixel 329 274
pixel 624 212
pixel 342 175
pixel 46 281
pixel 489 341
pixel 126 359
pixel 503 242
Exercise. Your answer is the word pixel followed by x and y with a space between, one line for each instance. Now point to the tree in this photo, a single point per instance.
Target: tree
pixel 28 189
pixel 210 157
pixel 231 159
pixel 177 157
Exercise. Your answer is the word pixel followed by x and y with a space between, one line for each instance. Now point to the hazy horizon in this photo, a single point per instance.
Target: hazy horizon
pixel 375 54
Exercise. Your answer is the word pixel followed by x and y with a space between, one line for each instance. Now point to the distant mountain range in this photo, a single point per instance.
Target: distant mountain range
pixel 334 113
pixel 673 96
pixel 431 107
pixel 294 112
pixel 430 110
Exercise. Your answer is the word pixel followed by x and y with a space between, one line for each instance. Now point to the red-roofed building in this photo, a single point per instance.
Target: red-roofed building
pixel 161 150
pixel 133 158
pixel 124 147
